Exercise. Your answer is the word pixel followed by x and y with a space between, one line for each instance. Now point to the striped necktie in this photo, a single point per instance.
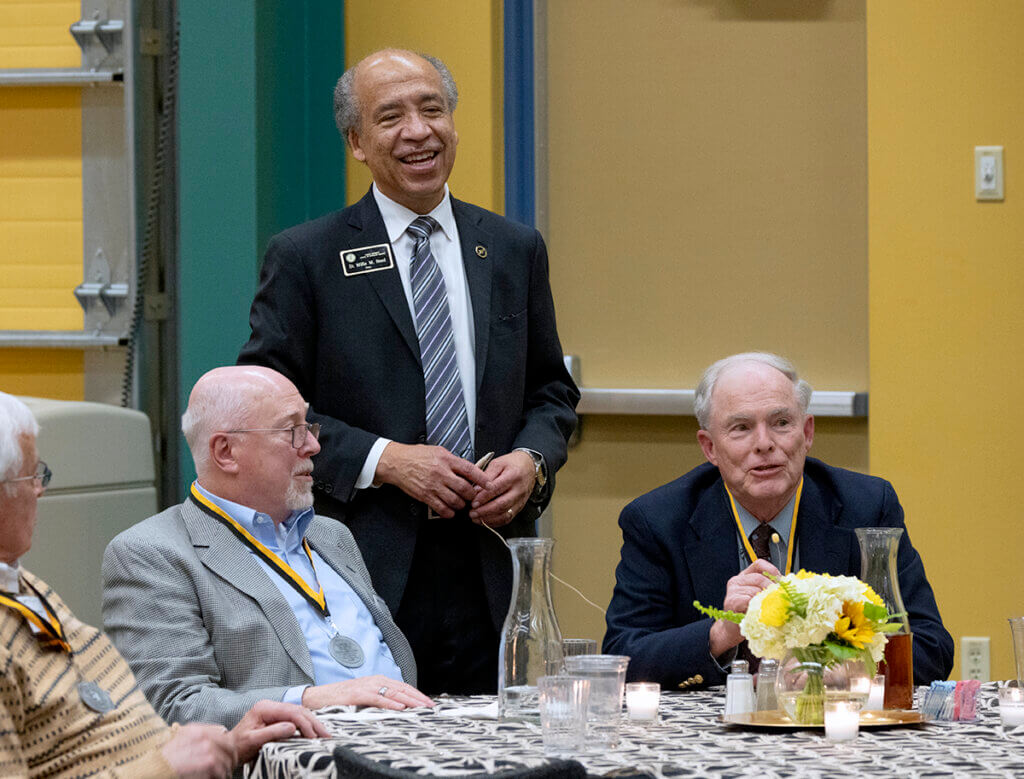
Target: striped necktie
pixel 447 423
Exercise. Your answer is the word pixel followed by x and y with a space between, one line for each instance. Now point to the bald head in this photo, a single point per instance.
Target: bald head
pixel 227 398
pixel 347 109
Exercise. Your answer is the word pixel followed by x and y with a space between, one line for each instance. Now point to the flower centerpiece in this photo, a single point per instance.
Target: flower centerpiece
pixel 810 623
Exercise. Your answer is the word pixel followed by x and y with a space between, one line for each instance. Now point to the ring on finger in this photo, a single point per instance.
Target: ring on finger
pixel 383 692
pixel 511 513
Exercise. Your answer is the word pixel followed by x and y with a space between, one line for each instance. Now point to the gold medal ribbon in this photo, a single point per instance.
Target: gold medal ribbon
pixel 285 571
pixel 792 527
pixel 51 632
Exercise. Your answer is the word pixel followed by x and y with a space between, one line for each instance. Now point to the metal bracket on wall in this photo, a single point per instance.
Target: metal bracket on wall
pixel 679 402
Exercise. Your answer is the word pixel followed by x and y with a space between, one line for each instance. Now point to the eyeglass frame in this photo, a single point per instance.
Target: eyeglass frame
pixel 308 428
pixel 43 474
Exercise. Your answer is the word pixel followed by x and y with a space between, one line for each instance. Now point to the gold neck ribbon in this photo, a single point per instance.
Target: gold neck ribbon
pixel 792 527
pixel 315 599
pixel 51 632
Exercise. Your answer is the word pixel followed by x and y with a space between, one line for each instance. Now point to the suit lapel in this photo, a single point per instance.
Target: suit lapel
pixel 325 545
pixel 474 241
pixel 713 557
pixel 824 548
pixel 368 226
pixel 229 559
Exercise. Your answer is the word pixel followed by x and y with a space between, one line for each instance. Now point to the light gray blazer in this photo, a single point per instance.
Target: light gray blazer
pixel 203 627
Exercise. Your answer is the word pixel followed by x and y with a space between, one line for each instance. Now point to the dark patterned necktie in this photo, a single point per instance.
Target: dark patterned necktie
pixel 447 422
pixel 759 541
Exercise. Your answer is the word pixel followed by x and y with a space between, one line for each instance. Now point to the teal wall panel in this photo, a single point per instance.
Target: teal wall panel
pixel 257 152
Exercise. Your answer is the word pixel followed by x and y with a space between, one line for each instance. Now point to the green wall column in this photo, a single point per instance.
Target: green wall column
pixel 257 152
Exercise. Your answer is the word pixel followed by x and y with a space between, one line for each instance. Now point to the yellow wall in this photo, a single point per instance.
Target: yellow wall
pixel 708 195
pixel 40 199
pixel 947 298
pixel 466 34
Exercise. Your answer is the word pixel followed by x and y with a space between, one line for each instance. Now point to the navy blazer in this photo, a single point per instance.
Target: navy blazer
pixel 680 545
pixel 349 344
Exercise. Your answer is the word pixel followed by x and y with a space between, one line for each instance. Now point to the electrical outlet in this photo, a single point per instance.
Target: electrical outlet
pixel 974 658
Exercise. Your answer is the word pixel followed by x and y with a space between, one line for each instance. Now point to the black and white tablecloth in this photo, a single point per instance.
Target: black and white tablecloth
pixel 689 740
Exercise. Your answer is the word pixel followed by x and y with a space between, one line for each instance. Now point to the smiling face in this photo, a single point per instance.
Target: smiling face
pixel 405 134
pixel 758 436
pixel 18 505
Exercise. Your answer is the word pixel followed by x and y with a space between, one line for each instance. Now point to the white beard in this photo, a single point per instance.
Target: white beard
pixel 299 496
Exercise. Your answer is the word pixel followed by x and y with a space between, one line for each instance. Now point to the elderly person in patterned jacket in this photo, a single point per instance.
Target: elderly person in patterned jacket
pixel 69 705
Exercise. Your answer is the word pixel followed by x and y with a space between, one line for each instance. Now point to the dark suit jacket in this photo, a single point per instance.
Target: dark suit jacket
pixel 680 545
pixel 349 344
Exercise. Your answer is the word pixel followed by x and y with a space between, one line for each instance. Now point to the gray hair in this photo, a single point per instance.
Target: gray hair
pixel 15 421
pixel 706 387
pixel 214 406
pixel 346 107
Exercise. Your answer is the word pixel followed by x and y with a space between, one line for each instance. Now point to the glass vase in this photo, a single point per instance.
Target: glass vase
pixel 810 676
pixel 879 547
pixel 531 643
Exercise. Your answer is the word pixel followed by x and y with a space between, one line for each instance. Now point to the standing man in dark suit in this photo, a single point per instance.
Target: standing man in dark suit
pixel 758 507
pixel 422 331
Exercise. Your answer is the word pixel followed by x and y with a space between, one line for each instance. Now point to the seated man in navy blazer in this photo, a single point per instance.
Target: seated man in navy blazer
pixel 682 542
pixel 421 329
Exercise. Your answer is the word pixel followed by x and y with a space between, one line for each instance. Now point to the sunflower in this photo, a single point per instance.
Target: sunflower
pixel 775 608
pixel 853 627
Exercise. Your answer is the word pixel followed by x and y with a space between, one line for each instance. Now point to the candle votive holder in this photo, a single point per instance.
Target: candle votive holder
pixel 642 700
pixel 876 698
pixel 1011 703
pixel 842 720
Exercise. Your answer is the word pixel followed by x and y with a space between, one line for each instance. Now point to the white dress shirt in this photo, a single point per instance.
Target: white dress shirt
pixel 444 245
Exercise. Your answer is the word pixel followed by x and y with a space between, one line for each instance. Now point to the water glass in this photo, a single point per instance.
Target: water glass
pixel 563 713
pixel 607 675
pixel 578 646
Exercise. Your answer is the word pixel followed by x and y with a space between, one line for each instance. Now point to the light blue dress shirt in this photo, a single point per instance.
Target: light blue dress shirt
pixel 347 609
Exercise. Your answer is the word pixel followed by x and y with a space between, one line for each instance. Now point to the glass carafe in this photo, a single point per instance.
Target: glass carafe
pixel 1017 630
pixel 878 550
pixel 531 643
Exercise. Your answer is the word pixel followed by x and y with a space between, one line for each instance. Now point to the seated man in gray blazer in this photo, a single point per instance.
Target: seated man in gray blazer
pixel 241 592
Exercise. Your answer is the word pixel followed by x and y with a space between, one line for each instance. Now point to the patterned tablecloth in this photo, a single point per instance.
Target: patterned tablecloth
pixel 689 740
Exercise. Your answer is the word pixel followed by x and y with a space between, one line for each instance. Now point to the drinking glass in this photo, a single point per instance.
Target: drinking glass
pixel 563 713
pixel 607 675
pixel 578 646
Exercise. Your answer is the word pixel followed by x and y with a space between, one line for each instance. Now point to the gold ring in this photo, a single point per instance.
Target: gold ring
pixel 383 692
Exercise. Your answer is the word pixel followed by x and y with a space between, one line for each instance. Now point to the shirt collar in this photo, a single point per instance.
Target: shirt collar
pixel 286 537
pixel 397 217
pixel 9 577
pixel 781 523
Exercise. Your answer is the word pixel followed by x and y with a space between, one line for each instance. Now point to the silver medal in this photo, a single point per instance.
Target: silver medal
pixel 347 651
pixel 95 697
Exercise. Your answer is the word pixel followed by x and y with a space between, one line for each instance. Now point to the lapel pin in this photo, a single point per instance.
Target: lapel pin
pixel 481 252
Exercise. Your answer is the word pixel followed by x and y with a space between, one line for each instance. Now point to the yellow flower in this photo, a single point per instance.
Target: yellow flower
pixel 774 608
pixel 853 626
pixel 805 574
pixel 872 596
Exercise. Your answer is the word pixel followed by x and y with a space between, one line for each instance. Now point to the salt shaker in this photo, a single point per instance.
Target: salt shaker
pixel 767 671
pixel 739 689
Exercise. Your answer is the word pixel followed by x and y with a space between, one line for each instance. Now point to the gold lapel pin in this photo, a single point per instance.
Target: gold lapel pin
pixel 481 252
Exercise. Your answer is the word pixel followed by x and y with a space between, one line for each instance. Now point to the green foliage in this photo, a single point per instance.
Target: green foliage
pixel 711 611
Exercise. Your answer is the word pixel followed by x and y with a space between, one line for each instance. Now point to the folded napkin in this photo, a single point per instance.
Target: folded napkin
pixel 486 711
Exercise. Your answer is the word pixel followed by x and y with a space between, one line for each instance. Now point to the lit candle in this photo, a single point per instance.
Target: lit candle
pixel 642 700
pixel 860 688
pixel 842 720
pixel 876 698
pixel 1011 704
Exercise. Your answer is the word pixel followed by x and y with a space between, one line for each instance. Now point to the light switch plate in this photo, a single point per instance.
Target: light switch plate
pixel 988 172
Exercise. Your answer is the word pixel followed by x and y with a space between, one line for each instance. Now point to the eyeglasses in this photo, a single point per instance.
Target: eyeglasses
pixel 299 432
pixel 43 474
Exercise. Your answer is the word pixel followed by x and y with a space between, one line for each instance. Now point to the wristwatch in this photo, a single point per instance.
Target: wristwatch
pixel 540 474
